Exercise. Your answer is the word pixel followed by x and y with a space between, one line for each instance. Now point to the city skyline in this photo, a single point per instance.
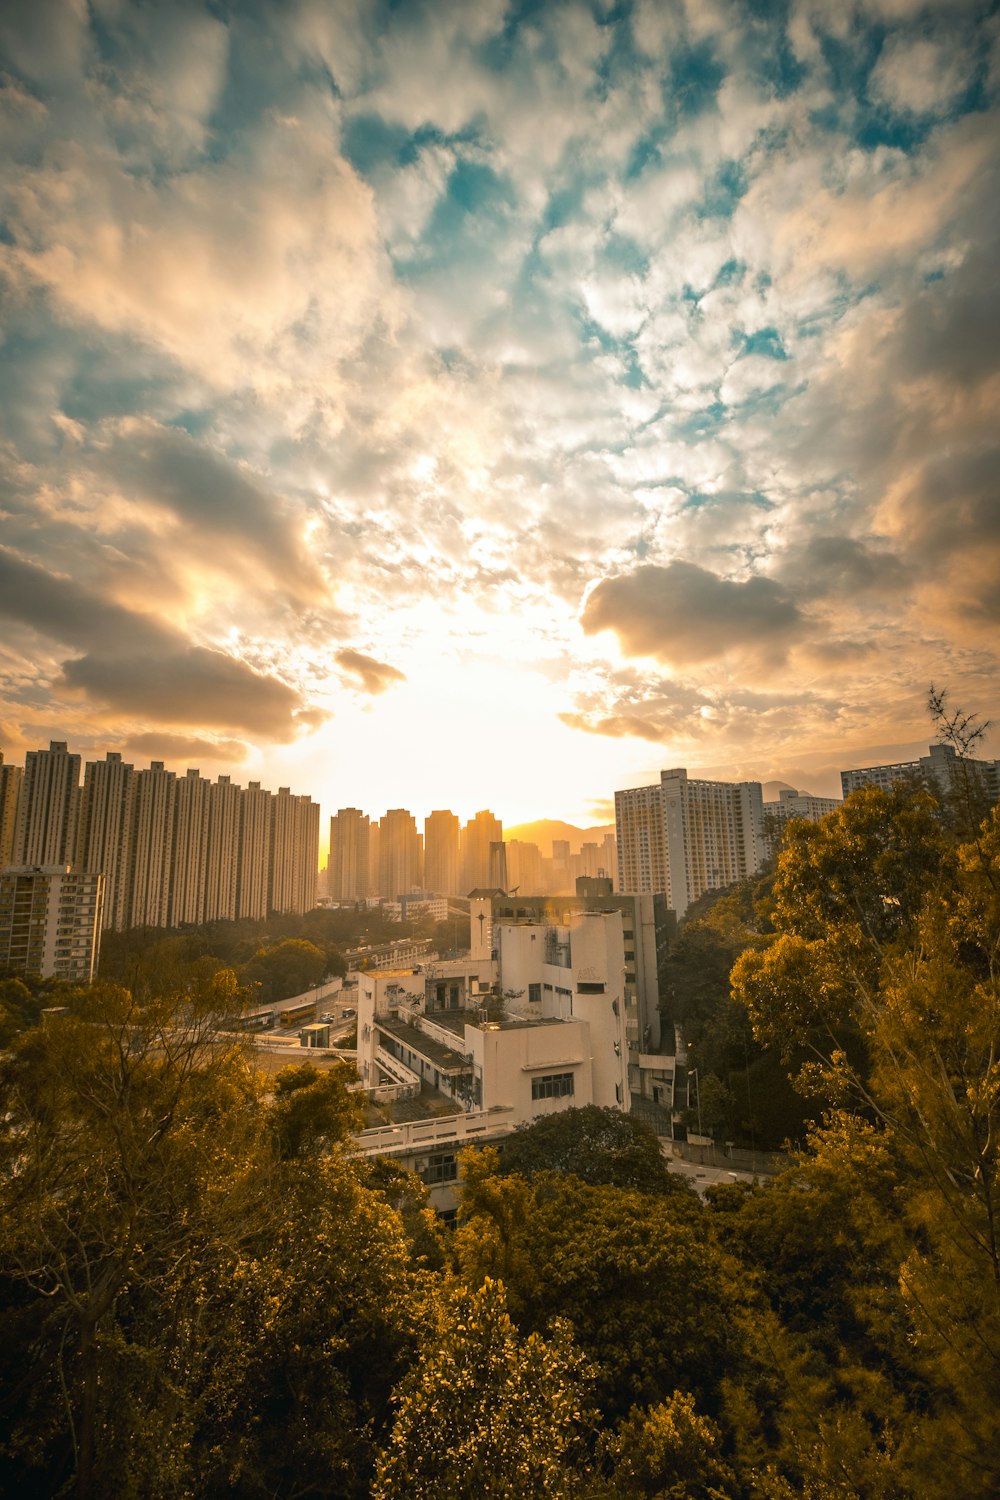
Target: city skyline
pixel 433 405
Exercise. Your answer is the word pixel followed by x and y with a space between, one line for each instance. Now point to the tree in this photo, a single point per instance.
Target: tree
pixel 846 892
pixel 597 1145
pixel 125 1137
pixel 891 934
pixel 289 968
pixel 669 1452
pixel 487 1414
pixel 634 1273
pixel 313 1111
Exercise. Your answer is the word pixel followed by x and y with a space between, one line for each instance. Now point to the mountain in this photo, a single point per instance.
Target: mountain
pixel 544 830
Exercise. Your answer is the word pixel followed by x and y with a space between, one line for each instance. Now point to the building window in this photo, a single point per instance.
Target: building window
pixel 588 987
pixel 440 1168
pixel 552 1086
pixel 629 955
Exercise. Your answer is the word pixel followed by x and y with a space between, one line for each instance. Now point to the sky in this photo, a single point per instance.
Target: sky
pixel 490 404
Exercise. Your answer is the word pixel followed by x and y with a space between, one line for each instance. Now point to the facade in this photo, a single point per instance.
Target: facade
pixel 151 855
pixel 172 851
pixel 189 852
pixel 253 856
pixel 399 858
pixel 50 921
pixel 222 850
pixel 294 855
pixel 506 1040
pixel 347 869
pixel 688 836
pixel 11 779
pixel 441 853
pixel 477 836
pixel 107 810
pixel 940 769
pixel 47 814
pixel 642 846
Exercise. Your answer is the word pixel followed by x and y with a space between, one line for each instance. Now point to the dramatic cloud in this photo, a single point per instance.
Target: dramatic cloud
pixel 163 746
pixel 413 326
pixel 684 614
pixel 135 664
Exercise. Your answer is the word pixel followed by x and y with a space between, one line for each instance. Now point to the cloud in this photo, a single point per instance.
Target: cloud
pixel 162 745
pixel 685 614
pixel 260 270
pixel 373 676
pixel 137 665
pixel 843 567
pixel 214 501
pixel 918 75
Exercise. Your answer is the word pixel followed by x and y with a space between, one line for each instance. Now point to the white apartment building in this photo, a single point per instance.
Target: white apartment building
pixel 50 921
pixel 940 769
pixel 687 836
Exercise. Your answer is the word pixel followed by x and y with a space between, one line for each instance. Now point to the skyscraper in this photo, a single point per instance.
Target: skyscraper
pixel 11 780
pixel 107 810
pixel 151 857
pixel 399 854
pixel 46 828
pixel 441 853
pixel 253 859
pixel 477 836
pixel 222 851
pixel 190 846
pixel 347 871
pixel 685 837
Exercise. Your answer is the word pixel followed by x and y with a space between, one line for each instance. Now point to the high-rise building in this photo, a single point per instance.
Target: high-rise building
pixel 253 859
pixel 441 853
pixel 11 780
pixel 642 845
pixel 107 809
pixel 399 854
pixel 46 827
pixel 498 866
pixel 696 836
pixel 307 850
pixel 524 867
pixel 50 921
pixel 151 858
pixel 294 862
pixel 941 770
pixel 477 836
pixel 222 851
pixel 347 871
pixel 190 847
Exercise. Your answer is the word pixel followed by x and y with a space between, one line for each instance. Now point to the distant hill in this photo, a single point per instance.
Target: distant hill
pixel 544 830
pixel 772 788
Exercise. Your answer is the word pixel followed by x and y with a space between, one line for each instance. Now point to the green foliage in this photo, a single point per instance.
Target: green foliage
pixel 669 1452
pixel 597 1145
pixel 315 1110
pixel 646 1294
pixel 289 968
pixel 487 1414
pixel 879 1250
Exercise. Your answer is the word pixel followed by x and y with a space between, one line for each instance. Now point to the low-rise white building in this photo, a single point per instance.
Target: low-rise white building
pixel 539 1028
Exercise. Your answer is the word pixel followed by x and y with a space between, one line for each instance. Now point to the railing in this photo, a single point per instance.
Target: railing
pixel 407 1084
pixel 461 1129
